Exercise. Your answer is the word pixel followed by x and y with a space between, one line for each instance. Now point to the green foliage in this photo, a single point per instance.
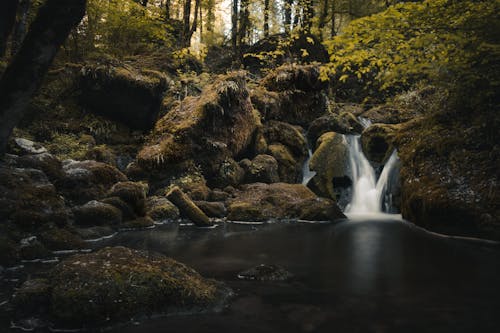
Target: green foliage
pixel 434 41
pixel 120 28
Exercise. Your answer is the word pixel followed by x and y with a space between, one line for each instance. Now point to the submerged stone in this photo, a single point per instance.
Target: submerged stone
pixel 266 273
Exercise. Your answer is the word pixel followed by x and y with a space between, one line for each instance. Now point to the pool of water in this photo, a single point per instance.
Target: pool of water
pixel 361 275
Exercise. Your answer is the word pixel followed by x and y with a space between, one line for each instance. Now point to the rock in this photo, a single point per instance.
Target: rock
pixel 225 116
pixel 261 202
pixel 290 136
pixel 377 142
pixel 116 284
pixel 58 239
pixel 229 174
pixel 31 248
pixel 102 154
pixel 128 212
pixel 95 213
pixel 9 251
pixel 134 194
pixel 139 223
pixel 123 93
pixel 345 123
pixel 274 50
pixel 329 161
pixel 33 297
pixel 218 195
pixel 212 209
pixel 262 169
pixel 188 208
pixel 160 209
pixel 266 273
pixel 191 183
pixel 289 169
pixel 45 162
pixel 88 180
pixel 25 146
pixel 300 94
pixel 29 200
pixel 387 114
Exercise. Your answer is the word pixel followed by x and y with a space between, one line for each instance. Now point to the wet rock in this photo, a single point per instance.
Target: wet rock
pixel 289 169
pixel 96 232
pixel 212 209
pixel 128 212
pixel 134 194
pixel 31 248
pixel 193 184
pixel 58 239
pixel 102 154
pixel 139 223
pixel 261 202
pixel 229 173
pixel 265 272
pixel 188 208
pixel 329 161
pixel 377 142
pixel 123 93
pixel 96 213
pixel 218 195
pixel 29 200
pixel 160 209
pixel 33 297
pixel 88 180
pixel 116 284
pixel 262 169
pixel 345 123
pixel 223 113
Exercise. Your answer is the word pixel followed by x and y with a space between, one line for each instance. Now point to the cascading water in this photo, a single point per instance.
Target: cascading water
pixel 307 174
pixel 368 194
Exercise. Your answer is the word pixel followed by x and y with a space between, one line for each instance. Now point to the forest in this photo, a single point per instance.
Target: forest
pixel 249 165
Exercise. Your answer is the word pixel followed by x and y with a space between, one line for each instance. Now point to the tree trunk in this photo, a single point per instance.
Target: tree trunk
pixel 266 18
pixel 186 27
pixel 323 16
pixel 20 27
pixel 195 21
pixel 244 22
pixel 288 15
pixel 167 10
pixel 234 27
pixel 307 15
pixel 7 19
pixel 24 75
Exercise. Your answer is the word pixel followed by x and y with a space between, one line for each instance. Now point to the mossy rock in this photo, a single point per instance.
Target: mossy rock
pixel 128 212
pixel 9 251
pixel 160 209
pixel 291 77
pixel 139 223
pixel 123 93
pixel 377 142
pixel 289 169
pixel 29 200
pixel 262 169
pixel 288 135
pixel 95 213
pixel 261 202
pixel 344 123
pixel 57 239
pixel 223 113
pixel 45 162
pixel 116 284
pixel 134 194
pixel 329 161
pixel 389 114
pixel 229 173
pixel 212 209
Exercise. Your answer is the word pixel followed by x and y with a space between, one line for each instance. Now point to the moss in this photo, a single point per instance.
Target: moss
pixel 134 194
pixel 118 283
pixel 139 223
pixel 188 208
pixel 288 168
pixel 56 239
pixel 377 142
pixel 212 209
pixel 97 213
pixel 128 212
pixel 262 169
pixel 288 135
pixel 329 161
pixel 160 208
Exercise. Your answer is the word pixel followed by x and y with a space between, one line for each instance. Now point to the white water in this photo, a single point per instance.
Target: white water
pixel 307 174
pixel 368 193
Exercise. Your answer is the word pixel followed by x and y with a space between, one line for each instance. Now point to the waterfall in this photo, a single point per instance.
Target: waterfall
pixel 368 194
pixel 307 174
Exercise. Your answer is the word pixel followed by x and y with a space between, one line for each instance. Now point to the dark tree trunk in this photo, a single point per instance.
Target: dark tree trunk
pixel 186 27
pixel 266 18
pixel 288 15
pixel 324 15
pixel 210 16
pixel 8 10
pixel 234 27
pixel 167 10
pixel 244 23
pixel 20 27
pixel 24 75
pixel 195 21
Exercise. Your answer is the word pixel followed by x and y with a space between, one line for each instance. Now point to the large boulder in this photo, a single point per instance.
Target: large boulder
pixel 261 202
pixel 344 123
pixel 288 135
pixel 289 168
pixel 262 169
pixel 224 115
pixel 132 193
pixel 115 284
pixel 87 180
pixel 377 142
pixel 329 161
pixel 95 213
pixel 298 96
pixel 123 93
pixel 160 209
